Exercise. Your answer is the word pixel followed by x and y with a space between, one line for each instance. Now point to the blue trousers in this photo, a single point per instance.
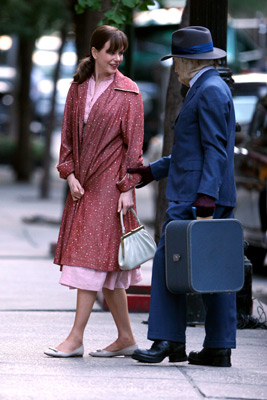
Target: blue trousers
pixel 167 315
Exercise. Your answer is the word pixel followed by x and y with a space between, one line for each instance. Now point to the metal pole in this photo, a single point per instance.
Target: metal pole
pixel 213 15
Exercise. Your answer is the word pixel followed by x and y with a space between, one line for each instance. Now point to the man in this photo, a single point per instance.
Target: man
pixel 200 173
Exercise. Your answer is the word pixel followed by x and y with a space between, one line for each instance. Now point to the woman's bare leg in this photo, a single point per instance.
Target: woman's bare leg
pixel 85 302
pixel 117 303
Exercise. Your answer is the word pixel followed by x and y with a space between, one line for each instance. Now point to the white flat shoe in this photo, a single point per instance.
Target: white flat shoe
pixel 128 351
pixel 52 352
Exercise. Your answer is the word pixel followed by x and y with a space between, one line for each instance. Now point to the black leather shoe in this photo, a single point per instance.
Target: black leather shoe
pixel 211 357
pixel 161 349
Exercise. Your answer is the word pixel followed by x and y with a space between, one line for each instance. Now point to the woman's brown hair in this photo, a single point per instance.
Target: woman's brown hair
pixel 101 35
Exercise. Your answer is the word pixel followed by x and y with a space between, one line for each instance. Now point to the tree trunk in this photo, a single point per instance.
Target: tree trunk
pixel 174 101
pixel 84 25
pixel 45 183
pixel 23 154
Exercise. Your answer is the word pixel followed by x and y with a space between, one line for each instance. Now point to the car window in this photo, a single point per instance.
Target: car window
pixel 258 126
pixel 244 108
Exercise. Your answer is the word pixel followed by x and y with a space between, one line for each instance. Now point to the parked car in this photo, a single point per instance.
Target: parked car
pixel 248 89
pixel 250 100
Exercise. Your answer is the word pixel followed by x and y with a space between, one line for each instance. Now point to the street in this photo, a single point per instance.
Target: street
pixel 36 312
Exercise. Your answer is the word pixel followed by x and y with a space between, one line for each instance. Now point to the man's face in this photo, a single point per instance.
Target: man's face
pixel 182 70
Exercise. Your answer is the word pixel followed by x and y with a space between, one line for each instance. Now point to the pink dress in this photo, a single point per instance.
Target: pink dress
pixel 86 278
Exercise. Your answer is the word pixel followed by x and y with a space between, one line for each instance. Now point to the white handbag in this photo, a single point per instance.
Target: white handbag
pixel 136 247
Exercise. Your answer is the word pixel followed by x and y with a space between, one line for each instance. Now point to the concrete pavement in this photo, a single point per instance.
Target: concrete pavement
pixel 36 312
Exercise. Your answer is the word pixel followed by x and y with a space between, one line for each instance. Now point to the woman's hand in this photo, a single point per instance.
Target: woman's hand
pixel 76 190
pixel 125 201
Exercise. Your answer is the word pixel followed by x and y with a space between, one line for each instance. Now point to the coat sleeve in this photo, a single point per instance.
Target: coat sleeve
pixel 66 163
pixel 214 114
pixel 133 136
pixel 160 168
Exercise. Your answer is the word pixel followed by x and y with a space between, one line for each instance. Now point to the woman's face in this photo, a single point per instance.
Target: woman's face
pixel 106 61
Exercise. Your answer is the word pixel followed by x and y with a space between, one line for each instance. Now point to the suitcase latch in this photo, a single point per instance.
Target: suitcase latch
pixel 176 257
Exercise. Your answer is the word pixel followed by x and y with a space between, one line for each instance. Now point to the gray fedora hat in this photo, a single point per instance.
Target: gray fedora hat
pixel 194 42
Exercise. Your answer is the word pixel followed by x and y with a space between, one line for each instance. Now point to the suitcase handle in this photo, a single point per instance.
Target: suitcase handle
pixel 194 212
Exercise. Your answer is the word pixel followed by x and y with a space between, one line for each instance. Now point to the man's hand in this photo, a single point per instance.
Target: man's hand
pixel 76 190
pixel 205 206
pixel 145 172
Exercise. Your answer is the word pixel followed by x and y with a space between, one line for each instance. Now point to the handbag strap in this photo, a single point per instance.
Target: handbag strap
pixel 121 218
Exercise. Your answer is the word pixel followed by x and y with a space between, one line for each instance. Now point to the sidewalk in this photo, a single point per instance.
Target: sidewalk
pixel 36 312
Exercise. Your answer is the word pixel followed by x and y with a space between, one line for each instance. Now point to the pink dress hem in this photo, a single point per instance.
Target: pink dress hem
pixel 95 280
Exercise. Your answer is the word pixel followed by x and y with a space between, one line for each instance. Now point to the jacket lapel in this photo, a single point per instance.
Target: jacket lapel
pixel 82 93
pixel 195 87
pixel 189 97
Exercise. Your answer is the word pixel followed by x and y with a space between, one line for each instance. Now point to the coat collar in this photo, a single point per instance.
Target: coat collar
pixel 124 84
pixel 209 73
pixel 82 94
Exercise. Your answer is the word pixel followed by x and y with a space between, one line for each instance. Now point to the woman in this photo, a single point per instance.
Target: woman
pixel 102 136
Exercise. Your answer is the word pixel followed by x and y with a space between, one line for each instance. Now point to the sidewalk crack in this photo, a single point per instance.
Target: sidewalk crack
pixel 192 383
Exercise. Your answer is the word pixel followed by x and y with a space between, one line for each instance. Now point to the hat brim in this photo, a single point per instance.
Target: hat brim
pixel 211 55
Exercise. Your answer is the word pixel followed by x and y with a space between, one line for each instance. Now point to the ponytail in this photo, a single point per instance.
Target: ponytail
pixel 84 70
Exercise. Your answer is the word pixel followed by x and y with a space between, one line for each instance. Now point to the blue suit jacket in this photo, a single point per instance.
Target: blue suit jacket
pixel 202 158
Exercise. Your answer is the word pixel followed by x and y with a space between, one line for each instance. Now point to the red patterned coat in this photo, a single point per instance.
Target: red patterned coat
pixel 112 142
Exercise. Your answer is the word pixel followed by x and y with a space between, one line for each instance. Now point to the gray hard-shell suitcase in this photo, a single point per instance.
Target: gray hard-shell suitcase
pixel 204 256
